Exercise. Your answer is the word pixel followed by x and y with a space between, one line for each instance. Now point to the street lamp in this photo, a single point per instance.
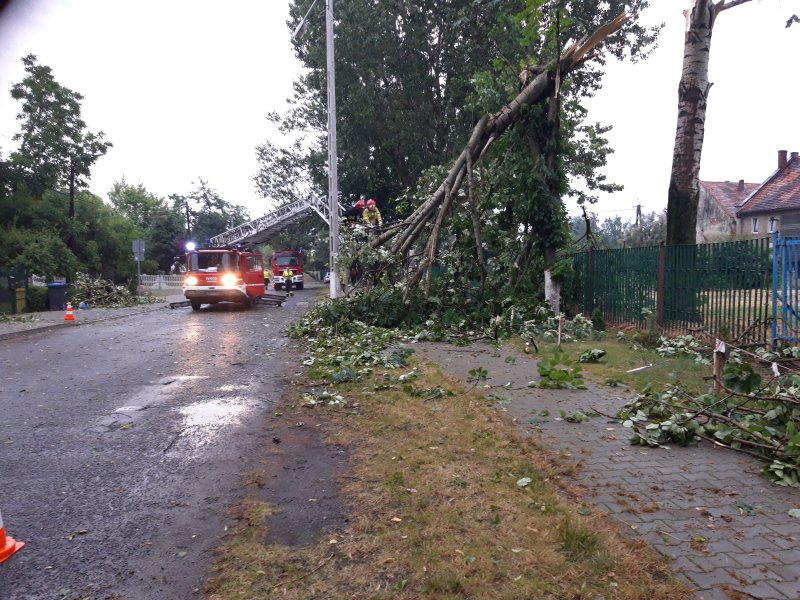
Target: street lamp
pixel 333 174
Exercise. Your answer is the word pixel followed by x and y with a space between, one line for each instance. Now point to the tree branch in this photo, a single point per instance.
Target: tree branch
pixel 723 5
pixel 490 128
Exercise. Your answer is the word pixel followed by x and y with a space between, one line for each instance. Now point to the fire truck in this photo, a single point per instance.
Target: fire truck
pixel 223 275
pixel 291 259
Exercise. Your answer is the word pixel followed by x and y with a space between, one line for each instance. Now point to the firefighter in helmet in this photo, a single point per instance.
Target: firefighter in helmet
pixel 372 215
pixel 287 279
pixel 354 214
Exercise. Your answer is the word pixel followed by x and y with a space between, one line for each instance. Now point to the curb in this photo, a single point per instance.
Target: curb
pixel 44 328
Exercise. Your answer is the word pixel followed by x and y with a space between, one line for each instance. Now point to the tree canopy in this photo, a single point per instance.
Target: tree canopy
pixel 55 144
pixel 417 77
pixel 49 227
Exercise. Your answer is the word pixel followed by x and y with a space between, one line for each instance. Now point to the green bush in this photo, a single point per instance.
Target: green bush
pixel 378 307
pixel 598 322
pixel 35 299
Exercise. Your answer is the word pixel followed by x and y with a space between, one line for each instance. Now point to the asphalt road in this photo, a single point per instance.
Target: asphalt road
pixel 123 442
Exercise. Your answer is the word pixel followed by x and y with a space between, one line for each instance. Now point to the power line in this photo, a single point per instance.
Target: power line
pixel 613 210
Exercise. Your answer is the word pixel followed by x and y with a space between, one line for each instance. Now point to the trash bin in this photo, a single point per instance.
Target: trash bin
pixel 57 296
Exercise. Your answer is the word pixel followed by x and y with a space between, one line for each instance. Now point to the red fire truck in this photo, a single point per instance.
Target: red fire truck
pixel 223 275
pixel 291 259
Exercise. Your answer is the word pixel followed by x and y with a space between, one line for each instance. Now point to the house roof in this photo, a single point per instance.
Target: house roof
pixel 780 192
pixel 728 195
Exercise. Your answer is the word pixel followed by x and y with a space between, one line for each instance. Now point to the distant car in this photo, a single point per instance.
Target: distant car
pixel 327 278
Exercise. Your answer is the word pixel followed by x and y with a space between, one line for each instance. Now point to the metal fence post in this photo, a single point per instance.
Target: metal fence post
pixel 775 259
pixel 590 278
pixel 660 288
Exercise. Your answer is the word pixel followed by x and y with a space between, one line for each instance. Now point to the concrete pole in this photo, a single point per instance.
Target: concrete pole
pixel 333 174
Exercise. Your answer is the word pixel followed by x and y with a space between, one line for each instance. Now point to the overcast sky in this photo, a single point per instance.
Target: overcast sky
pixel 182 88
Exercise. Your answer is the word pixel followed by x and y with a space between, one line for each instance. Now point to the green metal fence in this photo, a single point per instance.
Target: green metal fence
pixel 722 288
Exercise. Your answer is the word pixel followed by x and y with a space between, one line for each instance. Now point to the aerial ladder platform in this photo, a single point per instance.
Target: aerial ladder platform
pixel 263 229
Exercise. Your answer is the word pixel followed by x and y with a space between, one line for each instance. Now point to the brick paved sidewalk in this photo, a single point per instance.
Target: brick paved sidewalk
pixel 725 527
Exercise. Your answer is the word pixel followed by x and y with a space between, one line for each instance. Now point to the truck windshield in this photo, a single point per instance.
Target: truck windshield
pixel 212 261
pixel 286 261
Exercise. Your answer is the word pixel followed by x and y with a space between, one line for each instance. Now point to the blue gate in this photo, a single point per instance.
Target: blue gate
pixel 785 291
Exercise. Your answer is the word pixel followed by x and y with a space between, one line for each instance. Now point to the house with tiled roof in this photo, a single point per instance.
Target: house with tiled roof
pixel 775 204
pixel 716 209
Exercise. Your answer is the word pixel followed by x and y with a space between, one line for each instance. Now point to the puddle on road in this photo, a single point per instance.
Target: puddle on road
pixel 232 387
pixel 213 413
pixel 204 421
pixel 147 396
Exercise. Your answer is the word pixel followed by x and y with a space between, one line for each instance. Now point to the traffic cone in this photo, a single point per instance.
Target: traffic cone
pixel 69 316
pixel 8 545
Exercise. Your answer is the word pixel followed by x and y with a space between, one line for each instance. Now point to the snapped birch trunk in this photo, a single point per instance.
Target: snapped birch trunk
pixel 684 188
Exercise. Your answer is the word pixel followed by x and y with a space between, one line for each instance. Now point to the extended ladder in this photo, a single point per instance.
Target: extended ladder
pixel 267 227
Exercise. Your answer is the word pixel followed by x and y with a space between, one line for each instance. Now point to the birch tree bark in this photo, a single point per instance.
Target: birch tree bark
pixel 684 188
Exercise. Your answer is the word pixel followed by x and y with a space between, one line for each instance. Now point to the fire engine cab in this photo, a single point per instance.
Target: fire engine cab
pixel 223 275
pixel 287 259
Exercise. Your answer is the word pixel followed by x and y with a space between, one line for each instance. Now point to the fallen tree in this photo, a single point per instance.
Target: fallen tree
pixel 545 83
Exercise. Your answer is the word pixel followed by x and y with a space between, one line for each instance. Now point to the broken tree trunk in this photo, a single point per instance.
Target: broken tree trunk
pixel 474 208
pixel 684 187
pixel 489 129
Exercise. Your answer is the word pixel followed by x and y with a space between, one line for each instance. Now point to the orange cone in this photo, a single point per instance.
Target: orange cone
pixel 8 545
pixel 69 316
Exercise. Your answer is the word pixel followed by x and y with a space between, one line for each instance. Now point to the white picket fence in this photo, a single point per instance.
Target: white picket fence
pixel 162 282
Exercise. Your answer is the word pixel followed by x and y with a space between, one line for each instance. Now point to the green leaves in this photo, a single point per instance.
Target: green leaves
pixel 558 371
pixel 477 375
pixel 655 423
pixel 349 350
pixel 54 142
pixel 574 417
pixel 592 356
pixel 741 378
pixel 546 327
pixel 783 473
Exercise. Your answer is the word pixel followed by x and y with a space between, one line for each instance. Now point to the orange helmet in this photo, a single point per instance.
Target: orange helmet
pixel 359 204
pixel 370 202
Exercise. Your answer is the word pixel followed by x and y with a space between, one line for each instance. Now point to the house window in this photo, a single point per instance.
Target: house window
pixel 773 223
pixel 755 224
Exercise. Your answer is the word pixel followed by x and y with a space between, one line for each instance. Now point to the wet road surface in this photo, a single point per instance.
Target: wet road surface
pixel 123 442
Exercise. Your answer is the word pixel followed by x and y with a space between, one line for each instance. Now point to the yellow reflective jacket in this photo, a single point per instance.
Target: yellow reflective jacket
pixel 373 216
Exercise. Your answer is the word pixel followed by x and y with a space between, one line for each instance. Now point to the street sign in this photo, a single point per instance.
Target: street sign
pixel 138 250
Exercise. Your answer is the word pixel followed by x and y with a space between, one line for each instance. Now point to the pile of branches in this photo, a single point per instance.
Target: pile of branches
pixel 102 293
pixel 754 416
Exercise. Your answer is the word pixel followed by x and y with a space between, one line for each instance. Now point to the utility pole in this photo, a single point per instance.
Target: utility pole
pixel 638 215
pixel 188 220
pixel 333 174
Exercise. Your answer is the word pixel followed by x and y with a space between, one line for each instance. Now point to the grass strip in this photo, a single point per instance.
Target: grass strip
pixel 447 499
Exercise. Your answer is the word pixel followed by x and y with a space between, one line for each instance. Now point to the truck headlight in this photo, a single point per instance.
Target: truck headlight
pixel 229 280
pixel 191 280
